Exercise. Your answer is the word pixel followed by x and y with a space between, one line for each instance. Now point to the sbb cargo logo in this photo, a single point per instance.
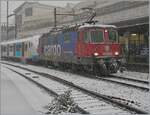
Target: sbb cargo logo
pixel 52 50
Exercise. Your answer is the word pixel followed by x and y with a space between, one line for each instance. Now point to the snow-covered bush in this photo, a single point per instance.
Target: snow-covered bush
pixel 63 103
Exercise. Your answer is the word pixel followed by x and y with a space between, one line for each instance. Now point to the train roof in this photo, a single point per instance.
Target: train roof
pixel 97 25
pixel 21 40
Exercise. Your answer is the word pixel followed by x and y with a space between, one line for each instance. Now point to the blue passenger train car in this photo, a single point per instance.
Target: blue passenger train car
pixel 18 51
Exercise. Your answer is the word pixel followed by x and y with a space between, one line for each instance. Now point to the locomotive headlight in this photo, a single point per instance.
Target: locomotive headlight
pixel 116 53
pixel 96 54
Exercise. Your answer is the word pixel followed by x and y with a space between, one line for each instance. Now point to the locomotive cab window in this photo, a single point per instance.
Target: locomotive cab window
pixel 87 37
pixel 113 36
pixel 95 36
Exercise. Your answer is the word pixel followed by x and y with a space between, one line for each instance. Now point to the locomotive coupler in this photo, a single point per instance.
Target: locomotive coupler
pixel 113 66
pixel 122 63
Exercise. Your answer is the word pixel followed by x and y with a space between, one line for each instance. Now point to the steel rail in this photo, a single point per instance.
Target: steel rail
pixel 122 83
pixel 130 79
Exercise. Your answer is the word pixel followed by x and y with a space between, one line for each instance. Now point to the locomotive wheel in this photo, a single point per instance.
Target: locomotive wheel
pixel 74 67
pixel 113 68
pixel 103 70
pixel 100 70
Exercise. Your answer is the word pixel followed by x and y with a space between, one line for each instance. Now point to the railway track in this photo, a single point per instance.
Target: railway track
pixel 130 79
pixel 134 83
pixel 128 82
pixel 100 97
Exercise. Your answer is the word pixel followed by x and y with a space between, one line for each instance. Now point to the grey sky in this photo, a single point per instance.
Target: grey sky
pixel 14 4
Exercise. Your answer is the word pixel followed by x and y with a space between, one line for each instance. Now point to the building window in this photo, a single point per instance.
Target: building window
pixel 19 20
pixel 28 11
pixel 10 48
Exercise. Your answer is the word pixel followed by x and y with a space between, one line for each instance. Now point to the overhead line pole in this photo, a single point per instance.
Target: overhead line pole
pixel 7 19
pixel 55 16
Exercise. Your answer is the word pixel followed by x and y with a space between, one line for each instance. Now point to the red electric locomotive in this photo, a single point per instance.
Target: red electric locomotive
pixel 92 47
pixel 98 48
pixel 88 46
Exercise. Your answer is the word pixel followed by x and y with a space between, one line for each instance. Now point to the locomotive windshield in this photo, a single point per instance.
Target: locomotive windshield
pixel 93 36
pixel 113 36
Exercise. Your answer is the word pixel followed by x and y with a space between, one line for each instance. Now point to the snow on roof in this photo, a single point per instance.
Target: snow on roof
pixel 21 40
pixel 99 25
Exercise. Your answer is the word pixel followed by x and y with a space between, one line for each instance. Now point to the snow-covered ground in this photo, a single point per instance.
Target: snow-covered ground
pixel 88 103
pixel 21 97
pixel 141 97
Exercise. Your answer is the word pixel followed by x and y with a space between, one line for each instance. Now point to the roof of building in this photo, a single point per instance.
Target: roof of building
pixel 34 3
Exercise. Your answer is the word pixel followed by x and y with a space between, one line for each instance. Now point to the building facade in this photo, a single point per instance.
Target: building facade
pixel 7 35
pixel 32 16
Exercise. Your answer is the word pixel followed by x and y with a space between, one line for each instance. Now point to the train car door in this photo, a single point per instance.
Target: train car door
pixel 7 50
pixel 23 48
pixel 14 50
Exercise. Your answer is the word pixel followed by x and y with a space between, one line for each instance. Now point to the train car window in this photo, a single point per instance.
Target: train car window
pixel 112 35
pixel 18 47
pixel 87 37
pixel 1 48
pixel 55 39
pixel 26 47
pixel 96 36
pixel 67 38
pixel 4 49
pixel 10 48
pixel 30 44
